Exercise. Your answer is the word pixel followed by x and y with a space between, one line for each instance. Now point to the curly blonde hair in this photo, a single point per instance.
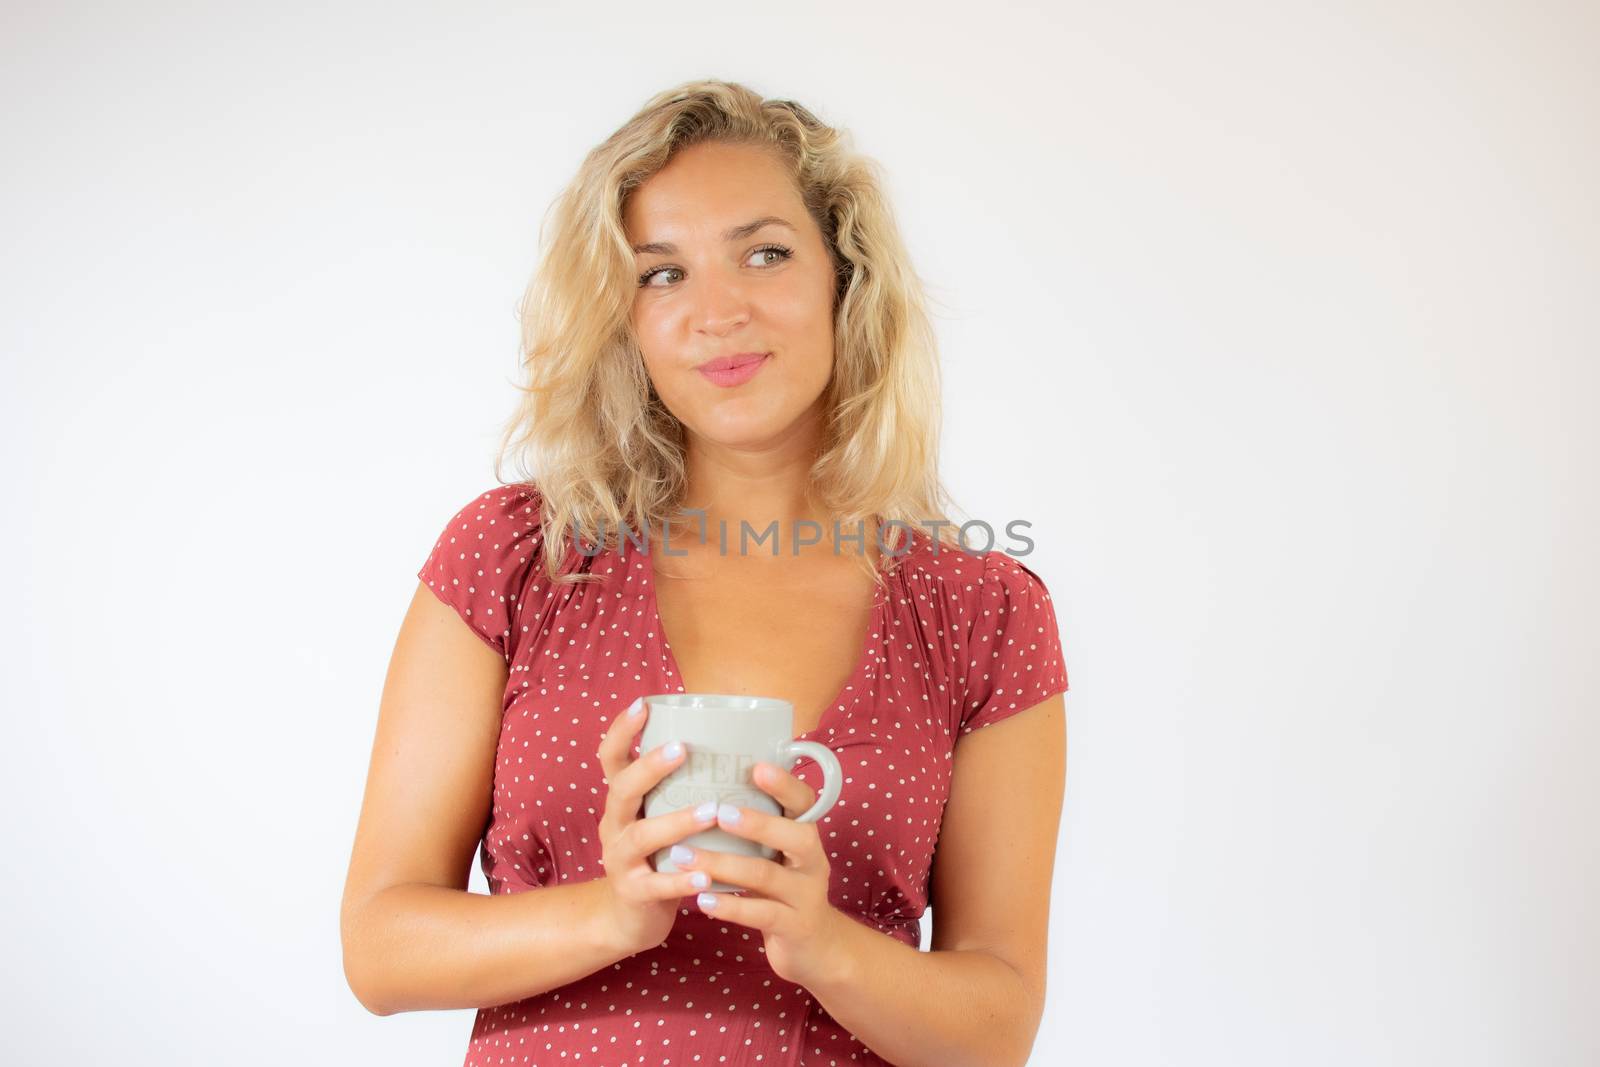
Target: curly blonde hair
pixel 589 431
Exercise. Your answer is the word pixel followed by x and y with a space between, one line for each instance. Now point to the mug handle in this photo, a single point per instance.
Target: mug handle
pixel 832 775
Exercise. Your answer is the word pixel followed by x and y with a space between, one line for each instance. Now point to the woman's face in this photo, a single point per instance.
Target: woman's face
pixel 723 277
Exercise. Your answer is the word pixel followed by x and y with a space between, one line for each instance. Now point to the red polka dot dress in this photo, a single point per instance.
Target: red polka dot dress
pixel 958 641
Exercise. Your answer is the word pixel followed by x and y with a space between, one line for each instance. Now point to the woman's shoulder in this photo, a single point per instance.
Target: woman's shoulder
pixel 1014 654
pixel 992 615
pixel 496 526
pixel 967 573
pixel 517 504
pixel 485 558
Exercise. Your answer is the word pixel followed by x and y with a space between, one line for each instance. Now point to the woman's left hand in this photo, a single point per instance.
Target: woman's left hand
pixel 787 901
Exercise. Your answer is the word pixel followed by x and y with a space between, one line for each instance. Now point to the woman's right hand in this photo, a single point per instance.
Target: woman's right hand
pixel 642 903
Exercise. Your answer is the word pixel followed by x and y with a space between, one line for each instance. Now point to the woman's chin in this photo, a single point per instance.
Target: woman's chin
pixel 745 429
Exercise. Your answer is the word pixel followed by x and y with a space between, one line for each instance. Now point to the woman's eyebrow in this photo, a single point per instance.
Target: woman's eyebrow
pixel 737 233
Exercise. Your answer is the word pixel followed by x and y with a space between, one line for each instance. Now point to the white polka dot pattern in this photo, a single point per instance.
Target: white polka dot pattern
pixel 959 642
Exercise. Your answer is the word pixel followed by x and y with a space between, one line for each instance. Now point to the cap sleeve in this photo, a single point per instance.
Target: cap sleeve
pixel 1014 649
pixel 484 559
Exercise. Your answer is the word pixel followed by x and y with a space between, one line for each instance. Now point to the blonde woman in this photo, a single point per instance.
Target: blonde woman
pixel 724 336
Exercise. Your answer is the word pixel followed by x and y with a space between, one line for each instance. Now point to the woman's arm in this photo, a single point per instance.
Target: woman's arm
pixel 978 996
pixel 414 938
pixel 419 947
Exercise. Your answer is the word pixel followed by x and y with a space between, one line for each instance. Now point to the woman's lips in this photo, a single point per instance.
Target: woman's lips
pixel 737 374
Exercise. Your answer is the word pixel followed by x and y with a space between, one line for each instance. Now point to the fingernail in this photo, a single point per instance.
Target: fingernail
pixel 728 813
pixel 707 901
pixel 673 749
pixel 680 854
pixel 636 707
pixel 707 811
pixel 699 879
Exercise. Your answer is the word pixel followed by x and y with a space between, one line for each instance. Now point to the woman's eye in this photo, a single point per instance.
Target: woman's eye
pixel 778 252
pixel 649 276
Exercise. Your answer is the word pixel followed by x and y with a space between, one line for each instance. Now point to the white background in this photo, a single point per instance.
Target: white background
pixel 1276 320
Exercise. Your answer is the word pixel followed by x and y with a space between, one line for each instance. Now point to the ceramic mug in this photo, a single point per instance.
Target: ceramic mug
pixel 726 736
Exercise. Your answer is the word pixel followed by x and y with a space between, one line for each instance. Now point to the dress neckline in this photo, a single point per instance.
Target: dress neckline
pixel 843 702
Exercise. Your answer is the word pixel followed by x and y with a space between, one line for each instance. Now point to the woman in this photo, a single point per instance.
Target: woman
pixel 717 230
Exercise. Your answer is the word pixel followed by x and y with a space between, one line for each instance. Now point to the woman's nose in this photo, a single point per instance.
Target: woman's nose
pixel 721 307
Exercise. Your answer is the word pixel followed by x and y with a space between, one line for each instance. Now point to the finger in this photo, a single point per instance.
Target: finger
pixel 799 841
pixel 755 873
pixel 754 912
pixel 616 743
pixel 647 836
pixel 795 796
pixel 629 785
pixel 672 885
